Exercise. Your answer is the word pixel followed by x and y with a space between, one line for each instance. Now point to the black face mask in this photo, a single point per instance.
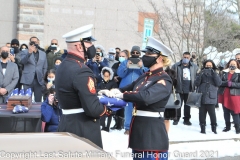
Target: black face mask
pixel 208 67
pixel 16 49
pixel 232 67
pixel 117 56
pixel 91 52
pixel 149 61
pixel 238 61
pixel 135 56
pixel 4 55
pixel 193 56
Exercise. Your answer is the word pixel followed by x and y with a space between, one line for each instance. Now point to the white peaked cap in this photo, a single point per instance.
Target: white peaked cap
pixel 155 46
pixel 80 34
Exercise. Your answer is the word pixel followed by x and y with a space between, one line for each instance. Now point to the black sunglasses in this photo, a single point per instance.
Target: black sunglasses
pixel 54 44
pixel 135 52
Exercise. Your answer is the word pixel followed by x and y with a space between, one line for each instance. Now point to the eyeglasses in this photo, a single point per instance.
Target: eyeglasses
pixel 54 44
pixel 135 52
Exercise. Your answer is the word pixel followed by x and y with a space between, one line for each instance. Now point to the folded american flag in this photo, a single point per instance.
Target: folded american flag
pixel 28 92
pixel 21 92
pixel 15 91
pixel 20 109
pixel 113 103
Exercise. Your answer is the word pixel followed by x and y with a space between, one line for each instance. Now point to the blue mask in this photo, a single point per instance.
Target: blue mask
pixel 185 61
pixel 56 66
pixel 121 59
pixel 111 57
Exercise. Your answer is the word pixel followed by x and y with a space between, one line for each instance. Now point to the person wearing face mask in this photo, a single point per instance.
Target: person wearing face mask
pixel 150 94
pixel 53 52
pixel 129 75
pixel 23 47
pixel 111 57
pixel 229 95
pixel 186 74
pixel 118 50
pixel 57 62
pixel 50 112
pixel 15 57
pixel 119 116
pixel 9 75
pixel 75 88
pixel 123 55
pixel 237 57
pixel 34 63
pixel 101 49
pixel 107 84
pixel 194 58
pixel 49 82
pixel 207 83
pixel 97 63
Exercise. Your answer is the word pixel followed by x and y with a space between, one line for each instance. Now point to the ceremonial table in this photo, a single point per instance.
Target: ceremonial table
pixel 21 122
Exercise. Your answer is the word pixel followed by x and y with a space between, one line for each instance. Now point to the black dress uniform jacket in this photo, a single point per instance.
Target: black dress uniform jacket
pixel 148 94
pixel 75 88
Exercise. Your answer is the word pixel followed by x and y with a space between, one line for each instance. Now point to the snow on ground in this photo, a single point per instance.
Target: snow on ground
pixel 116 143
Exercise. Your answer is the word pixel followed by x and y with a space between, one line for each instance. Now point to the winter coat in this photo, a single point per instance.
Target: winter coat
pixel 115 68
pixel 178 67
pixel 96 67
pixel 208 84
pixel 107 84
pixel 50 115
pixel 235 88
pixel 98 46
pixel 111 63
pixel 129 75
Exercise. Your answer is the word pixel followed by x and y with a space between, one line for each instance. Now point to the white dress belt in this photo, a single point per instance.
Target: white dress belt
pixel 149 114
pixel 72 111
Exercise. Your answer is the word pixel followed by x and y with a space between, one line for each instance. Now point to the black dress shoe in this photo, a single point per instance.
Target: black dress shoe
pixel 175 122
pixel 188 123
pixel 105 129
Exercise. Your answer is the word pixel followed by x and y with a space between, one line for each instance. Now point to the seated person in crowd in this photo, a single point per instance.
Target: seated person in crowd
pixel 48 82
pixel 50 113
pixel 107 83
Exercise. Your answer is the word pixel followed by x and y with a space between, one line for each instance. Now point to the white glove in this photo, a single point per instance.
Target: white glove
pixel 105 92
pixel 119 95
pixel 115 91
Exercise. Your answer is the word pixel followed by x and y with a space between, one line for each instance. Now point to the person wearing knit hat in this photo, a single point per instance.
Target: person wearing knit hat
pixel 15 42
pixel 14 57
pixel 15 45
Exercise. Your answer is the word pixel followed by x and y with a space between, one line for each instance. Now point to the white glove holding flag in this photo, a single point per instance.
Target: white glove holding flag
pixel 118 95
pixel 106 93
pixel 115 91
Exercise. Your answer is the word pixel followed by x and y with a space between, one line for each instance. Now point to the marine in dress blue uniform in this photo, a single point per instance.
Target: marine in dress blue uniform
pixel 75 88
pixel 149 93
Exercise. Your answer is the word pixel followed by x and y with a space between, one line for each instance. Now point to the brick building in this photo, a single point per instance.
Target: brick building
pixel 116 23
